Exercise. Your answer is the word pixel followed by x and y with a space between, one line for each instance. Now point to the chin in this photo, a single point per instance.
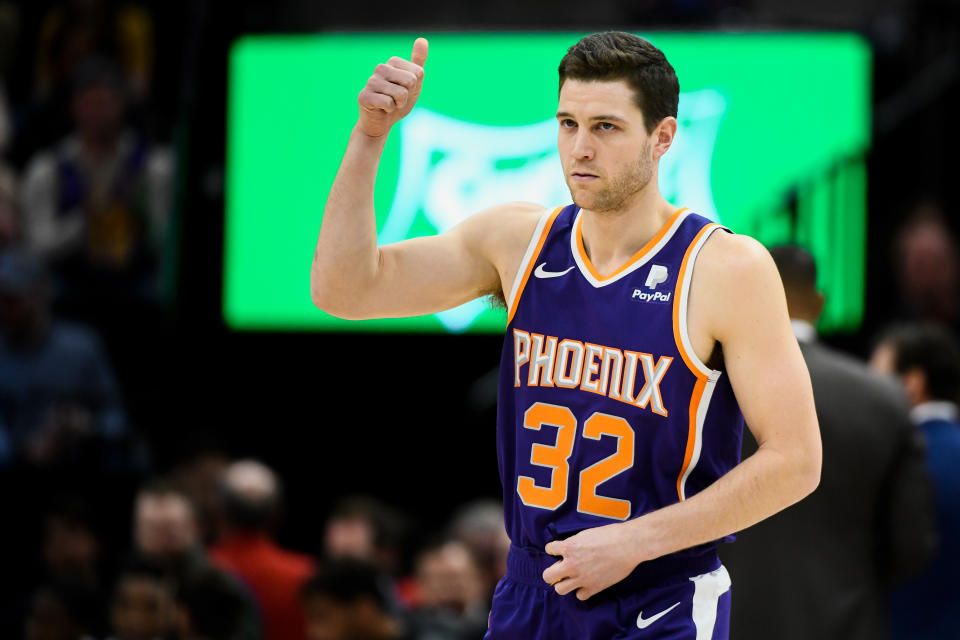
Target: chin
pixel 582 198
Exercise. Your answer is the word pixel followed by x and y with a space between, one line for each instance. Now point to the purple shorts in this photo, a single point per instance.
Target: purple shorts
pixel 690 600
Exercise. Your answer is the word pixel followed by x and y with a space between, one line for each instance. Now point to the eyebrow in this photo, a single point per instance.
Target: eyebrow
pixel 564 114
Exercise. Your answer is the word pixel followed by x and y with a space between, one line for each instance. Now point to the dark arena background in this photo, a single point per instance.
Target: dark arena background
pixel 402 422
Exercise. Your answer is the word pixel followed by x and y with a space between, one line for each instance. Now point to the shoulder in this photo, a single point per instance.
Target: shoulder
pixel 735 278
pixel 729 258
pixel 502 228
pixel 510 216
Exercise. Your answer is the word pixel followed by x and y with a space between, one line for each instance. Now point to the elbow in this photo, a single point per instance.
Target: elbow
pixel 333 300
pixel 808 473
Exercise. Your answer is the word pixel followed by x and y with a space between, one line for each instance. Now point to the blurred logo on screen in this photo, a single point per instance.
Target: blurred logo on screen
pixel 451 168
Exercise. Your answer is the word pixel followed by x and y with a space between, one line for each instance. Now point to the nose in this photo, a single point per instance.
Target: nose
pixel 583 146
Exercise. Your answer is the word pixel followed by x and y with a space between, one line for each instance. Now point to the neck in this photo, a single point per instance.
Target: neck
pixel 613 237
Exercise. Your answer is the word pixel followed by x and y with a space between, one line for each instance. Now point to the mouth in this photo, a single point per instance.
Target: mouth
pixel 583 176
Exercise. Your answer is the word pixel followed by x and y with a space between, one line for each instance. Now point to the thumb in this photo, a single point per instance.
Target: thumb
pixel 419 55
pixel 554 548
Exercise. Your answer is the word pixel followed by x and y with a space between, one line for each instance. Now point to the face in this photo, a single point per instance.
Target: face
pixel 882 359
pixel 143 609
pixel 69 547
pixel 607 155
pixel 164 525
pixel 350 537
pixel 98 111
pixel 449 578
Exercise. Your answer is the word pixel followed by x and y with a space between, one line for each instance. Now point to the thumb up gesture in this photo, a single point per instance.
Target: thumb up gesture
pixel 392 91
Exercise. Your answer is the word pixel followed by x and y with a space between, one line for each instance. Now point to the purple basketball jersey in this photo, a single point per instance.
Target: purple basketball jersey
pixel 605 412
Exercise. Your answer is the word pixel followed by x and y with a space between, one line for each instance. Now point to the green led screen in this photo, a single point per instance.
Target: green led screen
pixel 773 128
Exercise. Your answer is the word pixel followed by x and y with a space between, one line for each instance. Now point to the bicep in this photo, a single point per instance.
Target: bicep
pixel 761 354
pixel 433 273
pixel 430 274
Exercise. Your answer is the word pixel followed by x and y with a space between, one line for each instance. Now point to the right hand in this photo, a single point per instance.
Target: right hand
pixel 392 91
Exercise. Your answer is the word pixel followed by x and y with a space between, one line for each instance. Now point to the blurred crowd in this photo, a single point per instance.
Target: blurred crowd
pixel 86 250
pixel 204 565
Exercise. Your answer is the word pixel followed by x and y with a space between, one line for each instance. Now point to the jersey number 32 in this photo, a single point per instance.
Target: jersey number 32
pixel 556 458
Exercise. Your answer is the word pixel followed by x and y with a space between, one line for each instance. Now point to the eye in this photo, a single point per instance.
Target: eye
pixel 606 126
pixel 567 123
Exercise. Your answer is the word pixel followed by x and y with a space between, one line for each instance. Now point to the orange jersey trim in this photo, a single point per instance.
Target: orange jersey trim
pixel 692 432
pixel 528 268
pixel 702 379
pixel 639 255
pixel 677 300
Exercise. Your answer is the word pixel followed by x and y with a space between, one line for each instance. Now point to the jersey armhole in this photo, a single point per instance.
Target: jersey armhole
pixel 682 296
pixel 537 239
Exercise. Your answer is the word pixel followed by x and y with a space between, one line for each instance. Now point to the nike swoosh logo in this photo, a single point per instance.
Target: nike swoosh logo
pixel 643 624
pixel 540 272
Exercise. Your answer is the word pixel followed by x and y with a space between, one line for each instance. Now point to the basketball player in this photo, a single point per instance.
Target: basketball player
pixel 619 424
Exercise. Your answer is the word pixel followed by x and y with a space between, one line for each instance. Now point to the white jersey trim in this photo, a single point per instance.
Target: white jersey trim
pixel 528 256
pixel 682 301
pixel 574 250
pixel 702 409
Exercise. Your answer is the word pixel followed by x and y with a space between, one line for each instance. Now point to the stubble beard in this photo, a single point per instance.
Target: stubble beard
pixel 622 187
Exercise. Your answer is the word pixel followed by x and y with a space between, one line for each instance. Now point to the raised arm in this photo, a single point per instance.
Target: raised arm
pixel 737 299
pixel 353 278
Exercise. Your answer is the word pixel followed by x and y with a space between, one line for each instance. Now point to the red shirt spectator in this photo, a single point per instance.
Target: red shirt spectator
pixel 274 575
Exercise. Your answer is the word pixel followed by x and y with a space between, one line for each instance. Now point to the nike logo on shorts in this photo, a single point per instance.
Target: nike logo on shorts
pixel 540 272
pixel 643 624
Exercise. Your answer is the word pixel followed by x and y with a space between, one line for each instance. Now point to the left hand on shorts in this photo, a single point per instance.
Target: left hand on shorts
pixel 591 560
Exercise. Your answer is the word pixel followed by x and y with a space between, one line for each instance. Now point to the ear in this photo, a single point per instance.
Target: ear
pixel 663 136
pixel 915 384
pixel 819 300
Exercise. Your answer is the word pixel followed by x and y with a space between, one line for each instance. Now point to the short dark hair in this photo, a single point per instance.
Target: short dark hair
pixel 932 349
pixel 616 55
pixel 796 266
pixel 214 604
pixel 347 581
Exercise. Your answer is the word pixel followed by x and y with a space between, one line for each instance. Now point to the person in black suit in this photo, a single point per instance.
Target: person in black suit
pixel 822 568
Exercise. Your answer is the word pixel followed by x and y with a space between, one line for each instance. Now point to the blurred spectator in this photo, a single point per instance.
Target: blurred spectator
pixel 9 210
pixel 928 267
pixel 71 546
pixel 75 29
pixel 95 206
pixel 63 612
pixel 480 526
pixel 166 533
pixel 251 497
pixel 349 600
pixel 820 569
pixel 143 604
pixel 453 601
pixel 363 528
pixel 58 399
pixel 197 472
pixel 209 610
pixel 926 360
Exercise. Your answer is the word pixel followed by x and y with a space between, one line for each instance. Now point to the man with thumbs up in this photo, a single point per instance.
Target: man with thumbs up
pixel 620 415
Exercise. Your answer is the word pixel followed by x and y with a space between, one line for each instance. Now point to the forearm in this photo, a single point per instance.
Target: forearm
pixel 758 487
pixel 346 257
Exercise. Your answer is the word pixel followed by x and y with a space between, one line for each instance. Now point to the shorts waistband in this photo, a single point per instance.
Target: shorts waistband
pixel 527 564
